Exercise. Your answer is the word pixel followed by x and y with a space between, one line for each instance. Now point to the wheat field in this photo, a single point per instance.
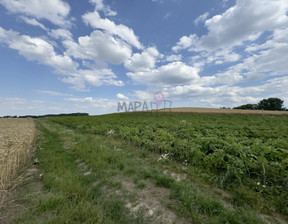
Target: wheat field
pixel 223 111
pixel 16 137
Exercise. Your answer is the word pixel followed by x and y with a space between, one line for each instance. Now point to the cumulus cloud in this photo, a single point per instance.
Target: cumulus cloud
pixel 55 11
pixel 84 78
pixel 7 36
pixel 100 6
pixel 60 34
pixel 37 49
pixel 186 42
pixel 99 46
pixel 174 57
pixel 169 74
pixel 245 21
pixel 143 61
pixel 201 18
pixel 227 95
pixel 120 96
pixel 270 57
pixel 232 37
pixel 125 33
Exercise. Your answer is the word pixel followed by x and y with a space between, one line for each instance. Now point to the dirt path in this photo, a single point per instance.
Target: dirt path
pixel 83 178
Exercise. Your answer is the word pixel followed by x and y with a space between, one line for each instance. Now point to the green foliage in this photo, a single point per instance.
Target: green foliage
pixel 265 104
pixel 237 149
pixel 271 104
pixel 247 107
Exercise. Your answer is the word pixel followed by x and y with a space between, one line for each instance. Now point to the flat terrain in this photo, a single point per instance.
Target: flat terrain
pixel 16 136
pixel 155 168
pixel 223 111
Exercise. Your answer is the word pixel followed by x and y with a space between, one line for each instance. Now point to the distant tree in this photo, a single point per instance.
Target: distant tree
pixel 247 107
pixel 271 104
pixel 265 104
pixel 225 108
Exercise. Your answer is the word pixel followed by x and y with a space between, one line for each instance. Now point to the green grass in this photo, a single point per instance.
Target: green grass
pixel 227 150
pixel 69 196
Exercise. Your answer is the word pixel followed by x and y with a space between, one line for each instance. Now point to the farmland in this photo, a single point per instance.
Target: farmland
pixel 235 150
pixel 159 168
pixel 16 136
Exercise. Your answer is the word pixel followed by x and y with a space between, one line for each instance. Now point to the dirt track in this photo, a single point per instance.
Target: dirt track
pixel 223 111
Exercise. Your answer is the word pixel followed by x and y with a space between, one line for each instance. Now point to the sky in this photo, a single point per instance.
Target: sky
pixel 64 56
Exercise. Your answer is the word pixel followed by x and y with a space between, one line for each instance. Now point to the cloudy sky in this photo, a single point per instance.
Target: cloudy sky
pixel 61 56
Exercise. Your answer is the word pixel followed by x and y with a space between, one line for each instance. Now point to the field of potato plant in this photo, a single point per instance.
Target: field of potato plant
pixel 234 150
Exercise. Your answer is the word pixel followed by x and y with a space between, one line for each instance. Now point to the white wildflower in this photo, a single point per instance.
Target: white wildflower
pixel 164 157
pixel 110 132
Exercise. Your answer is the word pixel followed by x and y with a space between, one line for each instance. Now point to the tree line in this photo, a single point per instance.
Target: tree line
pixel 48 115
pixel 265 104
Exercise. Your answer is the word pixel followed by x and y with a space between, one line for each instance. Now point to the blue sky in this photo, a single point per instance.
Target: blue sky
pixel 62 56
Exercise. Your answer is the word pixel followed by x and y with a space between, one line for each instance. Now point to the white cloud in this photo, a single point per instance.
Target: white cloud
pixel 6 36
pixel 52 93
pixel 82 79
pixel 100 6
pixel 95 47
pixel 120 96
pixel 55 11
pixel 239 28
pixel 99 77
pixel 172 73
pixel 100 103
pixel 227 95
pixel 24 106
pixel 186 42
pixel 243 22
pixel 174 57
pixel 160 1
pixel 33 22
pixel 36 49
pixel 222 56
pixel 127 34
pixel 60 34
pixel 264 60
pixel 201 18
pixel 99 46
pixel 143 61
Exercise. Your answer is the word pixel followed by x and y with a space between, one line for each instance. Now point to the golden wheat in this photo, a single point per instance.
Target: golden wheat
pixel 16 136
pixel 222 111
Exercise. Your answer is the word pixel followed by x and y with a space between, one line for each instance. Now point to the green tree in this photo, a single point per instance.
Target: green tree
pixel 247 107
pixel 271 104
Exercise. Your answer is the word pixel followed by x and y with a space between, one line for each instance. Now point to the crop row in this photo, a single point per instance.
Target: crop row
pixel 250 150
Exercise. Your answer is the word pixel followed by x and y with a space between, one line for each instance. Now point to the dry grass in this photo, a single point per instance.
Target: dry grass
pixel 16 136
pixel 222 111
